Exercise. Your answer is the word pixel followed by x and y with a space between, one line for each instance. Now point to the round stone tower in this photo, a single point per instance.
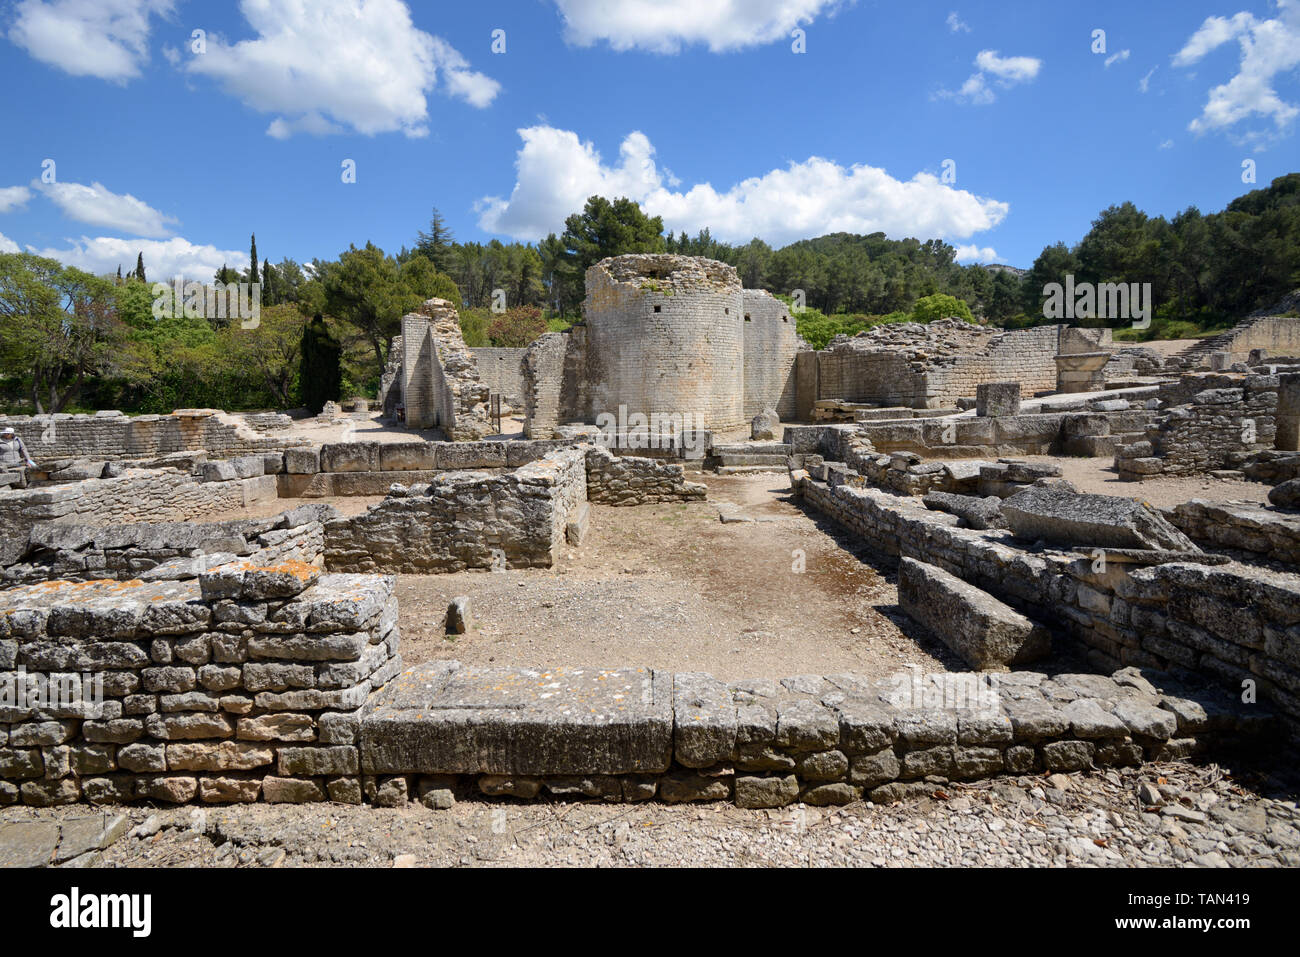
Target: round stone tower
pixel 665 334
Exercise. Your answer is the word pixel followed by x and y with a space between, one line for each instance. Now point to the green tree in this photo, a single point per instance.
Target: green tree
pixel 251 276
pixel 606 229
pixel 139 267
pixel 365 289
pixel 940 306
pixel 435 244
pixel 320 373
pixel 58 327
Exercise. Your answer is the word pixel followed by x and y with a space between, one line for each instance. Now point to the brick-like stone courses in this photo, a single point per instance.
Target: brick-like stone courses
pixel 440 381
pixel 771 344
pixel 245 685
pixel 1244 623
pixel 634 734
pixel 112 436
pixel 465 520
pixel 153 495
pixel 1210 421
pixel 169 550
pixel 501 370
pixel 665 334
pixel 931 366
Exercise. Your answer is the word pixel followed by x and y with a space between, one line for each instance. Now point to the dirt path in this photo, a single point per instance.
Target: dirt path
pixel 1098 476
pixel 674 587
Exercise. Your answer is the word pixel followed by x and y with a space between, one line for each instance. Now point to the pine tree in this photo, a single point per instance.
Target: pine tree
pixel 435 245
pixel 139 267
pixel 119 274
pixel 270 291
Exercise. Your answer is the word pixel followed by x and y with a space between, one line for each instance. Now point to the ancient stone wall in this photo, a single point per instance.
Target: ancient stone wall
pixel 465 520
pixel 155 495
pixel 665 334
pixel 934 365
pixel 167 551
pixel 113 436
pixel 1276 335
pixel 501 370
pixel 440 381
pixel 634 480
pixel 241 686
pixel 771 344
pixel 1210 421
pixel 1225 623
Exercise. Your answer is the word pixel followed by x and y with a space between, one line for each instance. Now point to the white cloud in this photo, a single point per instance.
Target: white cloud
pixel 13 197
pixel 1119 57
pixel 7 245
pixel 335 64
pixel 976 254
pixel 1269 48
pixel 1144 84
pixel 665 26
pixel 956 24
pixel 1006 72
pixel 1167 145
pixel 163 259
pixel 556 173
pixel 97 205
pixel 108 39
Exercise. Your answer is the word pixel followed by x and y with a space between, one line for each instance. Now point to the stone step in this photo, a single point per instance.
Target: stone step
pixel 756 448
pixel 775 460
pixel 748 469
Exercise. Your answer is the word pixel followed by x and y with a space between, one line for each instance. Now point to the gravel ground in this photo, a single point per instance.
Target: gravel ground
pixel 1203 817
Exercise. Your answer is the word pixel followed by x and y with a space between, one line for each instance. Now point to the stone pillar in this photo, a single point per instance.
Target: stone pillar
pixel 1081 372
pixel 1288 412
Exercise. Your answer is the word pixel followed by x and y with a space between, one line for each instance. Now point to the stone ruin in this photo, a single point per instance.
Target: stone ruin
pixel 259 659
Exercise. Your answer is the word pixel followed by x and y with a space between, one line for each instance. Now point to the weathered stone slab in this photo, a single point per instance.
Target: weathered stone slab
pixel 988 634
pixel 1076 520
pixel 976 512
pixel 440 718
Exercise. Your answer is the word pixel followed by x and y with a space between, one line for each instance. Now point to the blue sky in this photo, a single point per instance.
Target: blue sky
pixel 702 111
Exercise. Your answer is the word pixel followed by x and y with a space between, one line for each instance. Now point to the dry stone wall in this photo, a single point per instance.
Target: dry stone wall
pixel 1123 610
pixel 243 685
pixel 113 436
pixel 441 387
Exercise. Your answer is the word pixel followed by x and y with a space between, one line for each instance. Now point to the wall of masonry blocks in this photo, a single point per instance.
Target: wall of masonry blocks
pixel 243 685
pixel 1244 627
pixel 113 436
pixel 167 550
pixel 771 343
pixel 150 495
pixel 501 370
pixel 1209 421
pixel 888 376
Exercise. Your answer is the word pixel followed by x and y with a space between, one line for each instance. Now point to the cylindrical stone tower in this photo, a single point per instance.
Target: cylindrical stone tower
pixel 665 334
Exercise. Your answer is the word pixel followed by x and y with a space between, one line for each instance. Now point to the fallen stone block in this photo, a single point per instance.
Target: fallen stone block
pixel 988 634
pixel 1060 517
pixel 976 512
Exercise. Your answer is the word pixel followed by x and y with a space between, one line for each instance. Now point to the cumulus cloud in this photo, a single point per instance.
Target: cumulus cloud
pixel 1269 48
pixel 556 173
pixel 97 205
pixel 665 26
pixel 108 39
pixel 336 64
pixel 956 24
pixel 13 197
pixel 1005 72
pixel 163 259
pixel 976 254
pixel 7 245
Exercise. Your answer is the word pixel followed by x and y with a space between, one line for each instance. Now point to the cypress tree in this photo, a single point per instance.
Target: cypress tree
pixel 320 373
pixel 252 260
pixel 139 267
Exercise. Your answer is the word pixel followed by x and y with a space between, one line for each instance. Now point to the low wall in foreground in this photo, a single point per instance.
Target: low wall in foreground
pixel 243 685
